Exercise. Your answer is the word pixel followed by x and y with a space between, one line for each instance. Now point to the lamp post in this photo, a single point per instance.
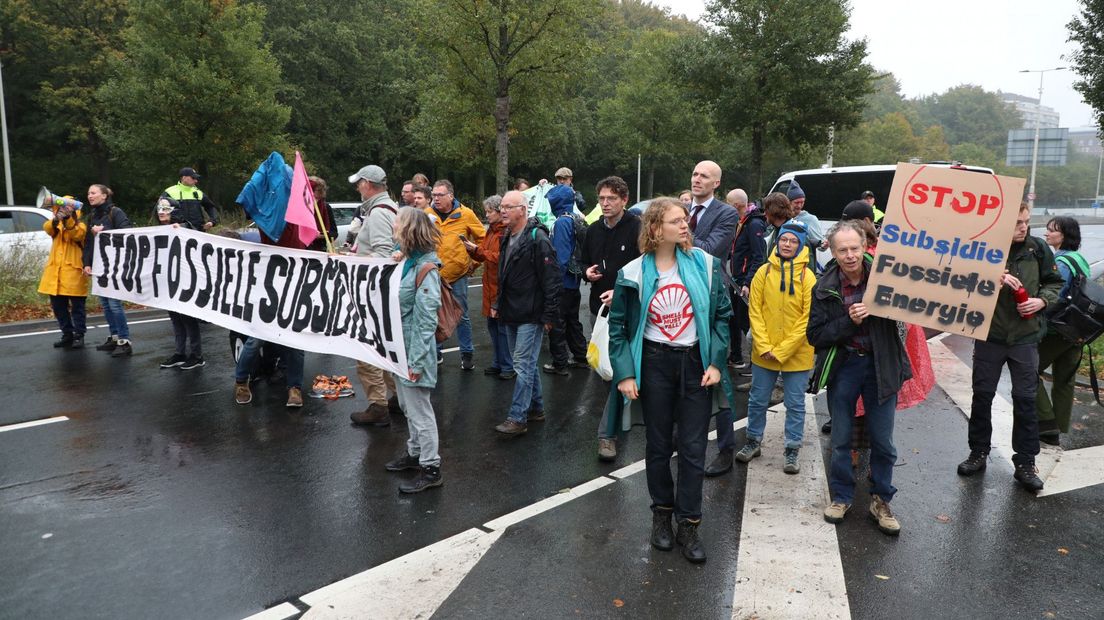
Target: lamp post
pixel 4 135
pixel 1038 120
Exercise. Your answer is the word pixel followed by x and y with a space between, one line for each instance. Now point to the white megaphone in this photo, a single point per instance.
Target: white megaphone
pixel 49 200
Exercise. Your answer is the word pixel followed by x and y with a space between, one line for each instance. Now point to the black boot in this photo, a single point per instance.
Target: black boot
pixel 428 478
pixel 662 536
pixel 108 345
pixel 78 342
pixel 402 463
pixel 688 539
pixel 1027 476
pixel 65 342
pixel 973 464
pixel 720 465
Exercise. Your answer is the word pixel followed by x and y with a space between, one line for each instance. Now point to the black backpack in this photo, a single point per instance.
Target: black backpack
pixel 575 264
pixel 1079 314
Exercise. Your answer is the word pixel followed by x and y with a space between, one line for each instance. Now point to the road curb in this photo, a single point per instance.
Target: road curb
pixel 49 325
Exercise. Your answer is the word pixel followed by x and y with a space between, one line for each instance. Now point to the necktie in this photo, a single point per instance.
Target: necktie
pixel 694 216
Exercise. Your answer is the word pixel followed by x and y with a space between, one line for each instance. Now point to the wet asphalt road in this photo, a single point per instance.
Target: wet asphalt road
pixel 161 498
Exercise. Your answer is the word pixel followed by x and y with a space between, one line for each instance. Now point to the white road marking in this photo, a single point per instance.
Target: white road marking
pixel 279 612
pixel 547 503
pixel 789 563
pixel 411 586
pixel 1061 470
pixel 21 425
pixel 90 328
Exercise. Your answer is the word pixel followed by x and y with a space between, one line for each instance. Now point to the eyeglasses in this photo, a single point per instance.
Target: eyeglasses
pixel 439 195
pixel 679 222
pixel 504 207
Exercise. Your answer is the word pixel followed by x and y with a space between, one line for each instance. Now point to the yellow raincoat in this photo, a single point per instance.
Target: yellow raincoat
pixel 779 317
pixel 64 272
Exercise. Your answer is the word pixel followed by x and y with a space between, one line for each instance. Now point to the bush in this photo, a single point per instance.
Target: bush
pixel 20 271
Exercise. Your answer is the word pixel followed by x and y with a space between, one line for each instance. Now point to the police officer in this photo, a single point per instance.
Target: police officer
pixel 193 207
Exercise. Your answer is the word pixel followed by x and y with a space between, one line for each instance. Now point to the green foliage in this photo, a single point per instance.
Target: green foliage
pixel 197 87
pixel 970 113
pixel 1087 30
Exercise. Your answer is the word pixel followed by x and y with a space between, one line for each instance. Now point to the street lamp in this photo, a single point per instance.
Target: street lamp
pixel 1038 119
pixel 4 133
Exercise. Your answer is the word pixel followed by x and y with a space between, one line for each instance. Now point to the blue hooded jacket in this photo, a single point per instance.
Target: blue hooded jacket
pixel 561 199
pixel 265 196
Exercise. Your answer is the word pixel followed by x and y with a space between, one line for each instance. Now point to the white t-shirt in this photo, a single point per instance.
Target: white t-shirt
pixel 670 318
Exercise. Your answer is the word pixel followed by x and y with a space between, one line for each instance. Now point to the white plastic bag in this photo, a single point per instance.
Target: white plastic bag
pixel 598 349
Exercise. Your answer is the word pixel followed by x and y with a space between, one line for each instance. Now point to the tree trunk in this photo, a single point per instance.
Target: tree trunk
pixel 757 159
pixel 480 186
pixel 502 137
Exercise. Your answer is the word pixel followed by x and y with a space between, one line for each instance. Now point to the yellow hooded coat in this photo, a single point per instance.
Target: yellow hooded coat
pixel 779 317
pixel 64 272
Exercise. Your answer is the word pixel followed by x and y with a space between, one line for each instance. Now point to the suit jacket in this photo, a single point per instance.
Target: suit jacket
pixel 716 228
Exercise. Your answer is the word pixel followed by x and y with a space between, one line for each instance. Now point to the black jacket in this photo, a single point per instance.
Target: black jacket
pixel 749 249
pixel 610 249
pixel 110 217
pixel 529 279
pixel 830 328
pixel 193 207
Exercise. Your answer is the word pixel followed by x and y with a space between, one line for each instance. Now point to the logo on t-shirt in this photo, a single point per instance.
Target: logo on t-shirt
pixel 670 311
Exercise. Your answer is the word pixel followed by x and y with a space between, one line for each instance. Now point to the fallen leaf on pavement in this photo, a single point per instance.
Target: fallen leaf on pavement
pixel 1063 551
pixel 618 602
pixel 882 577
pixel 943 518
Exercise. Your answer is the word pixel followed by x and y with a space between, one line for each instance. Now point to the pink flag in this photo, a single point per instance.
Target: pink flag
pixel 300 209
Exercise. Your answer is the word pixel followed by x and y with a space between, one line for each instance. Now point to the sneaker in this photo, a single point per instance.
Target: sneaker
pixel 78 343
pixel 375 415
pixel 791 466
pixel 510 427
pixel 440 358
pixel 826 428
pixel 607 450
pixel 687 538
pixel 508 375
pixel 553 369
pixel 122 349
pixel 492 370
pixel 973 464
pixel 66 340
pixel 777 396
pixel 535 415
pixel 194 361
pixel 749 451
pixel 108 345
pixel 295 397
pixel 428 478
pixel 578 364
pixel 743 386
pixel 663 538
pixel 402 463
pixel 175 360
pixel 242 394
pixel 835 512
pixel 1027 475
pixel 883 516
pixel 466 362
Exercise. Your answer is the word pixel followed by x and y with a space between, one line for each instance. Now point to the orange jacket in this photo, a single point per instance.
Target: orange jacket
pixel 487 253
pixel 455 262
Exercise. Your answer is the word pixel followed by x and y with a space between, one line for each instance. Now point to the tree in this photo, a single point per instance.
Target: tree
pixel 785 68
pixel 1087 30
pixel 651 112
pixel 196 87
pixel 970 113
pixel 508 51
pixel 933 146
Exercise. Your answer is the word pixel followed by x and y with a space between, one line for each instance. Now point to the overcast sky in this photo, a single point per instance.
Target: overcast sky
pixel 934 45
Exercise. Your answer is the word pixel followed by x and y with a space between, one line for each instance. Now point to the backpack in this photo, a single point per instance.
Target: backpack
pixel 575 264
pixel 1079 315
pixel 449 312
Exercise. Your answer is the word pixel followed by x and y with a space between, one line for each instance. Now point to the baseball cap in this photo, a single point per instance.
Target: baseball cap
pixel 188 172
pixel 857 210
pixel 867 194
pixel 371 173
pixel 564 173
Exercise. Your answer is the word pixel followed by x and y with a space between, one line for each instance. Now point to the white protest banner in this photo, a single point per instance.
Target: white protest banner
pixel 943 248
pixel 344 305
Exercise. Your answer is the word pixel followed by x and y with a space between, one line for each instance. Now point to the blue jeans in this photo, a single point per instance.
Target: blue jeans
pixel 503 360
pixel 70 314
pixel 525 341
pixel 793 388
pixel 116 318
pixel 247 359
pixel 857 378
pixel 463 330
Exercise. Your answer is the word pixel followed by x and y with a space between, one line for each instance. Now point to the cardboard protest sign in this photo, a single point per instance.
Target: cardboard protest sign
pixel 344 305
pixel 943 248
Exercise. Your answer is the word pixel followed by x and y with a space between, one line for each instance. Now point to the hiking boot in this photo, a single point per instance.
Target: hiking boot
pixel 607 449
pixel 295 397
pixel 1027 475
pixel 508 375
pixel 429 477
pixel 973 464
pixel 883 516
pixel 242 394
pixel 65 342
pixel 749 451
pixel 553 369
pixel 402 463
pixel 578 364
pixel 1049 438
pixel 777 396
pixel 835 512
pixel 177 359
pixel 535 415
pixel 193 361
pixel 663 538
pixel 466 362
pixel 687 538
pixel 510 427
pixel 791 466
pixel 720 465
pixel 78 342
pixel 108 345
pixel 743 386
pixel 375 415
pixel 440 358
pixel 491 371
pixel 122 348
pixel 393 406
pixel 826 428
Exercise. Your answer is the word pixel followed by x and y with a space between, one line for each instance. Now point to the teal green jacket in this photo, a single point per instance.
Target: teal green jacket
pixel 626 328
pixel 418 305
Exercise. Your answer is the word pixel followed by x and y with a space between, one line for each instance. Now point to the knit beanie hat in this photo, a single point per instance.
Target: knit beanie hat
pixel 795 191
pixel 797 229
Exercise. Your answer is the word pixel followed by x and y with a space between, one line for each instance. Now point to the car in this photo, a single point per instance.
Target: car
pixel 21 232
pixel 343 212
